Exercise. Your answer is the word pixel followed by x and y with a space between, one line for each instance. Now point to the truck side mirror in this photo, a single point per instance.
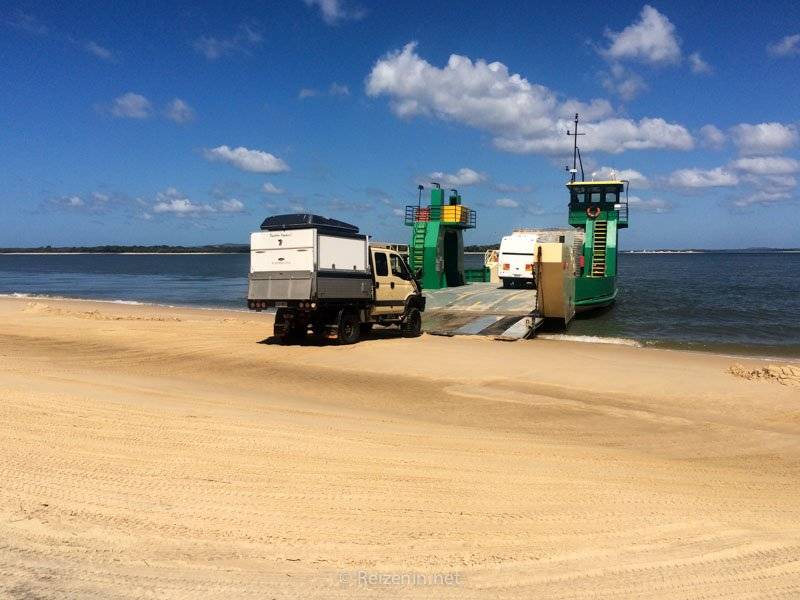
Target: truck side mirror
pixel 418 273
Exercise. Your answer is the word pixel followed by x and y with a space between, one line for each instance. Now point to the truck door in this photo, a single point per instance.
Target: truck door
pixel 390 294
pixel 403 282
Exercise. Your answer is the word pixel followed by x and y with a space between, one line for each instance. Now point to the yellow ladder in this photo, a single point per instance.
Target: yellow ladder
pixel 418 245
pixel 599 249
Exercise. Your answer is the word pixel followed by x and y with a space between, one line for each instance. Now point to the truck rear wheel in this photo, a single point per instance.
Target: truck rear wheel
pixel 298 331
pixel 280 328
pixel 318 329
pixel 349 329
pixel 288 329
pixel 412 324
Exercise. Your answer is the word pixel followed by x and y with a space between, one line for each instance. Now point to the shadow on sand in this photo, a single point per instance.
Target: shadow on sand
pixel 378 333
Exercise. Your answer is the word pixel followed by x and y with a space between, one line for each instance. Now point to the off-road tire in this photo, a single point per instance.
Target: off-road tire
pixel 286 330
pixel 318 329
pixel 412 324
pixel 298 331
pixel 349 329
pixel 280 327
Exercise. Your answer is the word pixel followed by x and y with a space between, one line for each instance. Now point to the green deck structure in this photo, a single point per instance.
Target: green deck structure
pixel 436 251
pixel 600 210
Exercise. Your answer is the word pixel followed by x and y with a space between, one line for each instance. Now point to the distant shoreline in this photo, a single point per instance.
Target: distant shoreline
pixel 129 249
pixel 110 253
pixel 240 252
pixel 734 251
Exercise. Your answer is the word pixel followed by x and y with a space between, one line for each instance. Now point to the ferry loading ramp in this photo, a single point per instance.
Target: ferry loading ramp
pixel 482 309
pixel 487 308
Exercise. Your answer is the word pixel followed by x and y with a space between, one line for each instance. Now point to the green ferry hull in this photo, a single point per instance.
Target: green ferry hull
pixel 594 292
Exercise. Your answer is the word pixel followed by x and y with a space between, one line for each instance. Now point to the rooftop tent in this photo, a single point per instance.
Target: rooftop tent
pixel 304 221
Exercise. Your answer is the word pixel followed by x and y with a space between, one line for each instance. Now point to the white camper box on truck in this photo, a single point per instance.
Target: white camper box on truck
pixel 516 259
pixel 324 262
pixel 323 274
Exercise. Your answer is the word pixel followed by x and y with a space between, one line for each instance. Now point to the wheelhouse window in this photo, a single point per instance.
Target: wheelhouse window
pixel 611 196
pixel 578 197
pixel 596 195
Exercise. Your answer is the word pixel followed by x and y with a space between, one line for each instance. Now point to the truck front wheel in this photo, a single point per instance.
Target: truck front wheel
pixel 349 329
pixel 412 324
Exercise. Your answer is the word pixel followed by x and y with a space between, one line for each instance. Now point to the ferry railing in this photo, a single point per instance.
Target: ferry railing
pixel 452 214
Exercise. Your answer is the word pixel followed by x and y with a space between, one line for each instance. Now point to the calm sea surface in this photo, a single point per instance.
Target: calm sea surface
pixel 721 302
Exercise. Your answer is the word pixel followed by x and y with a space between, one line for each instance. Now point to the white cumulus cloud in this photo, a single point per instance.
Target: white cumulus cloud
pixel 767 165
pixel 610 135
pixel 508 188
pixel 334 89
pixel 26 22
pixel 607 173
pixel 336 11
pixel 522 116
pixel 99 51
pixel 255 161
pixel 623 82
pixel 179 111
pixel 506 203
pixel 651 39
pixel 95 202
pixel 271 188
pixel 171 201
pixel 764 138
pixel 651 205
pixel 712 136
pixel 461 178
pixel 698 65
pixel 247 36
pixel 703 178
pixel 762 197
pixel 231 206
pixel 786 46
pixel 131 106
pixel 338 89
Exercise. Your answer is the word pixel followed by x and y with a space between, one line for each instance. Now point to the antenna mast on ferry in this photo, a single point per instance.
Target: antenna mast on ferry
pixel 576 153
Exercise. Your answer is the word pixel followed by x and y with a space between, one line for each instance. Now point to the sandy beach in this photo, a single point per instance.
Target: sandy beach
pixel 152 452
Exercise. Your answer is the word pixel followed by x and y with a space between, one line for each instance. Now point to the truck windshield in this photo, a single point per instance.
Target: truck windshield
pixel 399 267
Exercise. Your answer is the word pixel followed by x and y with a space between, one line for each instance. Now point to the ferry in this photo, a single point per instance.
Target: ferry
pixel 598 210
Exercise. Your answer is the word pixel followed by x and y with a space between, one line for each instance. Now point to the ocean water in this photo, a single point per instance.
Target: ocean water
pixel 743 303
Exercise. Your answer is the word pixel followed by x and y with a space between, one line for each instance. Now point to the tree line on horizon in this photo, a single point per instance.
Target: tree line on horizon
pixel 244 249
pixel 117 249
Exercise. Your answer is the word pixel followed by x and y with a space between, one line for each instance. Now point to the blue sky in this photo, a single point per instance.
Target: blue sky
pixel 183 124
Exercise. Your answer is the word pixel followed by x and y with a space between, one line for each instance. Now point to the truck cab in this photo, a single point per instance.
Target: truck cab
pixel 394 285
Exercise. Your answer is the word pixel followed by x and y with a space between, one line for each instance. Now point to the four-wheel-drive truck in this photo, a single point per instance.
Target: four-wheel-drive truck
pixel 322 274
